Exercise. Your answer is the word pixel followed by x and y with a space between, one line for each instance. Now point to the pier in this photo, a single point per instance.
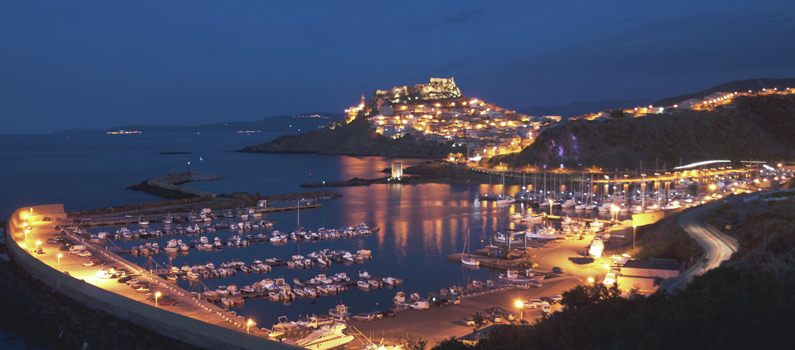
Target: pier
pixel 124 220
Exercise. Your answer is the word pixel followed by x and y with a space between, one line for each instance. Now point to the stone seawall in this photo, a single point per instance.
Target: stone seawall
pixel 168 186
pixel 170 324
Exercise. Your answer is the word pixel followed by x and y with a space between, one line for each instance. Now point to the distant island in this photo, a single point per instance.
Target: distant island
pixel 280 123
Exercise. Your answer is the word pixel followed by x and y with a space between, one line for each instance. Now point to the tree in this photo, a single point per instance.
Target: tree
pixel 617 113
pixel 479 320
pixel 416 344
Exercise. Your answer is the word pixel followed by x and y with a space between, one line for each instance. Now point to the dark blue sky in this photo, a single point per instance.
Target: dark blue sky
pixel 78 64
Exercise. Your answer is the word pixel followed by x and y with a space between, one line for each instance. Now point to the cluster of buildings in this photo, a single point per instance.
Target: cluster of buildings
pixel 438 111
pixel 707 103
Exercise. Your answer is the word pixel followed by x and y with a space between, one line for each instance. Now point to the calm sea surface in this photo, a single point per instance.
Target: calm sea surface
pixel 420 224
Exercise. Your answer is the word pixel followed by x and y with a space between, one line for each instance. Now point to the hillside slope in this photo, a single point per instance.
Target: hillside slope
pixel 357 139
pixel 762 127
pixel 732 86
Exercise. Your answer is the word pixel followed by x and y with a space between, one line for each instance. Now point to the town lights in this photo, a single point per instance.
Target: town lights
pixel 248 325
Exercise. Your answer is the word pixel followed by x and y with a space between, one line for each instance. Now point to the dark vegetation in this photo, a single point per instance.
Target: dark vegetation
pixel 664 239
pixel 725 308
pixel 46 318
pixel 745 303
pixel 760 127
pixel 356 139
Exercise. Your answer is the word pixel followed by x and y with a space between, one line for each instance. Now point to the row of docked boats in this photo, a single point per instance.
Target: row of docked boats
pixel 300 234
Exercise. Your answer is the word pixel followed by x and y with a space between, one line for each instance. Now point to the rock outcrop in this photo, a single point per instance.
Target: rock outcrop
pixel 355 138
pixel 437 89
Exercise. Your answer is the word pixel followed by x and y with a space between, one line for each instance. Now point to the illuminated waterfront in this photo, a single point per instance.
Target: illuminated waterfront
pixel 420 224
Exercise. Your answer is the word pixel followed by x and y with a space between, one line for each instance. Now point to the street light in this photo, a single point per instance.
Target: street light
pixel 37 245
pixel 157 295
pixel 59 260
pixel 520 306
pixel 633 238
pixel 590 279
pixel 248 325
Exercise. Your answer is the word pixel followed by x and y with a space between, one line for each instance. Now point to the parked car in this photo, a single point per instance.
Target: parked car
pixel 420 305
pixel 535 284
pixel 366 317
pixel 88 263
pixel 554 299
pixel 610 279
pixel 496 318
pixel 106 274
pixel 469 321
pixel 495 310
pixel 167 302
pixel 510 316
pixel 84 253
pixel 388 313
pixel 557 269
pixel 93 259
pixel 546 308
pixel 142 288
pixel 64 247
pixel 532 303
pixel 454 301
pixel 124 279
pixel 46 218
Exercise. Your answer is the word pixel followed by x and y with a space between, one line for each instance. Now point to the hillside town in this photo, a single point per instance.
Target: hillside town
pixel 438 111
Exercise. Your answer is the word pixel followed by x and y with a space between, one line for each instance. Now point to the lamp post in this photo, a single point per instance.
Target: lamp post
pixel 633 238
pixel 37 245
pixel 520 306
pixel 248 325
pixel 157 295
pixel 59 260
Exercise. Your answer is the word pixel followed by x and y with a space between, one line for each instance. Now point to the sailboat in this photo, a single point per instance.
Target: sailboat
pixel 467 260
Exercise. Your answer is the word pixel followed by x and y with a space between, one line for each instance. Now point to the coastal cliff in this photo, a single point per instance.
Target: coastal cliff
pixel 758 127
pixel 356 139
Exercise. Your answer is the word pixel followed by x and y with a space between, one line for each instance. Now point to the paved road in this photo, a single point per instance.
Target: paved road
pixel 716 248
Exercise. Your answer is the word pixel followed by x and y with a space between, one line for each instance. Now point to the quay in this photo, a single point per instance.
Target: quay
pixel 193 321
pixel 123 220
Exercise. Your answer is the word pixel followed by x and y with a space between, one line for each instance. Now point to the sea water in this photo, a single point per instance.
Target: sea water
pixel 420 224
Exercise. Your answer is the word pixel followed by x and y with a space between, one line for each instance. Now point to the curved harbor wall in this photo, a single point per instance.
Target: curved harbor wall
pixel 170 324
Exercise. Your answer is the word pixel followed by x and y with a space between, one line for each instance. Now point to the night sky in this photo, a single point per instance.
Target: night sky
pixel 76 64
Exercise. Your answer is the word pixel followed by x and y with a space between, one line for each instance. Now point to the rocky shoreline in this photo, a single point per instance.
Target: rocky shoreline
pixel 48 319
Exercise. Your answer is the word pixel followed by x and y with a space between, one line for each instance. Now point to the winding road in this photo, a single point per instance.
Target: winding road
pixel 717 247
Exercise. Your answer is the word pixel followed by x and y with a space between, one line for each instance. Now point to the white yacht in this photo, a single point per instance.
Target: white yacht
pixel 364 274
pixel 327 337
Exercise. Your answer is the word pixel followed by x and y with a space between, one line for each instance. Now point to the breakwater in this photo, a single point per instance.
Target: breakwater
pixel 138 207
pixel 358 182
pixel 168 186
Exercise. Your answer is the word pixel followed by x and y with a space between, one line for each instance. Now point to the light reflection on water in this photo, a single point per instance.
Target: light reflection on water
pixel 420 223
